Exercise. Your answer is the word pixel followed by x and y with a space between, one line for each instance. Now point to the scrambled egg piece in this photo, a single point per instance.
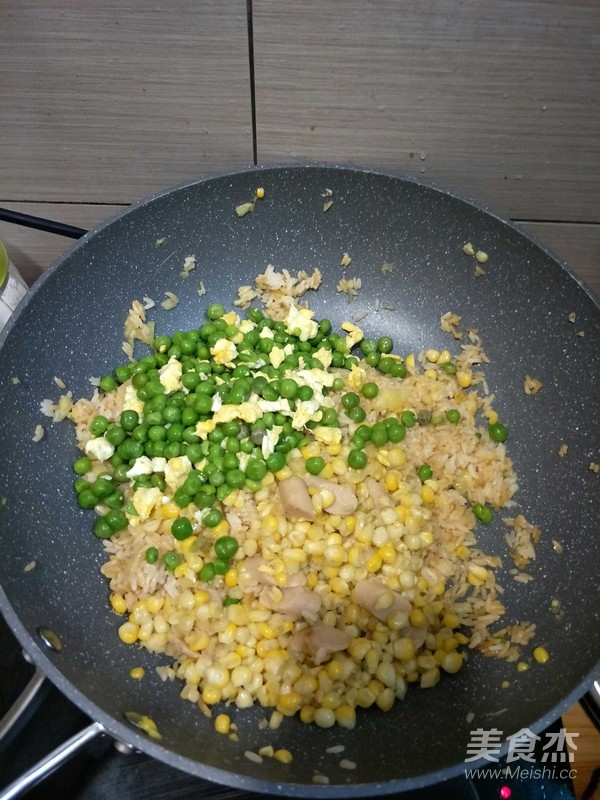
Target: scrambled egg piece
pixel 299 322
pixel 131 402
pixel 204 428
pixel 246 326
pixel 270 439
pixel 266 333
pixel 248 412
pixel 170 375
pixel 146 466
pixel 99 448
pixel 176 471
pixel 327 435
pixel 324 355
pixel 224 352
pixel 356 378
pixel 276 356
pixel 231 318
pixel 355 334
pixel 144 501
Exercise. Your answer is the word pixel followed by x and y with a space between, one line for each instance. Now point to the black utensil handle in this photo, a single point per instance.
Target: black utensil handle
pixel 41 224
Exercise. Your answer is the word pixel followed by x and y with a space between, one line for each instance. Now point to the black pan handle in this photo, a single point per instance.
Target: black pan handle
pixel 41 224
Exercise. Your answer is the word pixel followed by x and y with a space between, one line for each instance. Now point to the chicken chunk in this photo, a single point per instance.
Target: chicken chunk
pixel 345 500
pixel 293 601
pixel 295 499
pixel 378 600
pixel 318 642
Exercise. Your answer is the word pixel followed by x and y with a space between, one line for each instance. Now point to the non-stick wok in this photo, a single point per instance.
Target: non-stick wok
pixel 71 326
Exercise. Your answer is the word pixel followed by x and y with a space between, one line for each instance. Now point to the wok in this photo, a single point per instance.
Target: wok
pixel 71 326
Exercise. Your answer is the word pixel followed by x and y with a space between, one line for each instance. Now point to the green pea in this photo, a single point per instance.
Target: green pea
pixel 181 528
pixel 385 344
pixel 82 465
pixel 408 419
pixel 370 390
pixel 80 484
pixel 483 513
pixel 151 555
pixel 337 359
pixel 350 400
pixel 325 327
pixel 398 370
pixel 256 470
pixel 425 473
pixel 122 374
pixel 338 385
pixel 235 478
pixel 215 311
pixel 449 368
pixel 275 462
pixel 212 518
pixel 288 388
pixel 221 566
pixel 98 425
pixel 226 547
pixel 129 420
pixel 357 459
pixel 107 383
pixel 379 434
pixel 102 528
pixel 115 435
pixel 424 416
pixel 453 415
pixel 498 432
pixel 116 519
pixel 120 473
pixel 386 364
pixel 87 499
pixel 102 487
pixel 172 560
pixel 231 601
pixel 357 414
pixel 207 573
pixel 396 433
pixel 255 315
pixel 314 465
pixel 157 480
pixel 329 417
pixel 372 359
pixel 368 346
pixel 157 433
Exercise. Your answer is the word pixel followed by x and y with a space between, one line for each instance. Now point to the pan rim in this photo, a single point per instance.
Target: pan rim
pixel 119 729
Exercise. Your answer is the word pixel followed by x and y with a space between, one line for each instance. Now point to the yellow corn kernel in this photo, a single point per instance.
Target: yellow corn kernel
pixel 327 498
pixel 345 716
pixel 391 481
pixel 128 632
pixel 270 523
pixel 290 702
pixel 461 638
pixel 410 360
pixel 387 553
pixel 310 450
pixel 211 695
pixel 201 597
pixel 541 655
pixel 222 723
pixel 396 456
pixel 284 756
pixel 444 357
pixel 312 579
pixel 432 355
pixel 267 631
pixel 287 626
pixel 350 523
pixel 231 577
pixel 365 697
pixel 451 620
pixel 307 714
pixel 522 666
pixel 327 472
pixel 180 571
pixel 386 699
pixel 426 538
pixel 117 601
pixel 452 662
pixel 427 494
pixel 404 648
pixel 476 575
pixel 169 511
pixel 491 416
pixel 283 474
pixel 137 673
pixel 222 529
pixel 462 551
pixel 373 564
pixel 431 373
pixel 417 618
pixel 464 379
pixel 198 641
pixel 306 684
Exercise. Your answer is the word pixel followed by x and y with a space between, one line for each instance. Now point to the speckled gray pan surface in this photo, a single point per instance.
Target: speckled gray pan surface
pixel 72 327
